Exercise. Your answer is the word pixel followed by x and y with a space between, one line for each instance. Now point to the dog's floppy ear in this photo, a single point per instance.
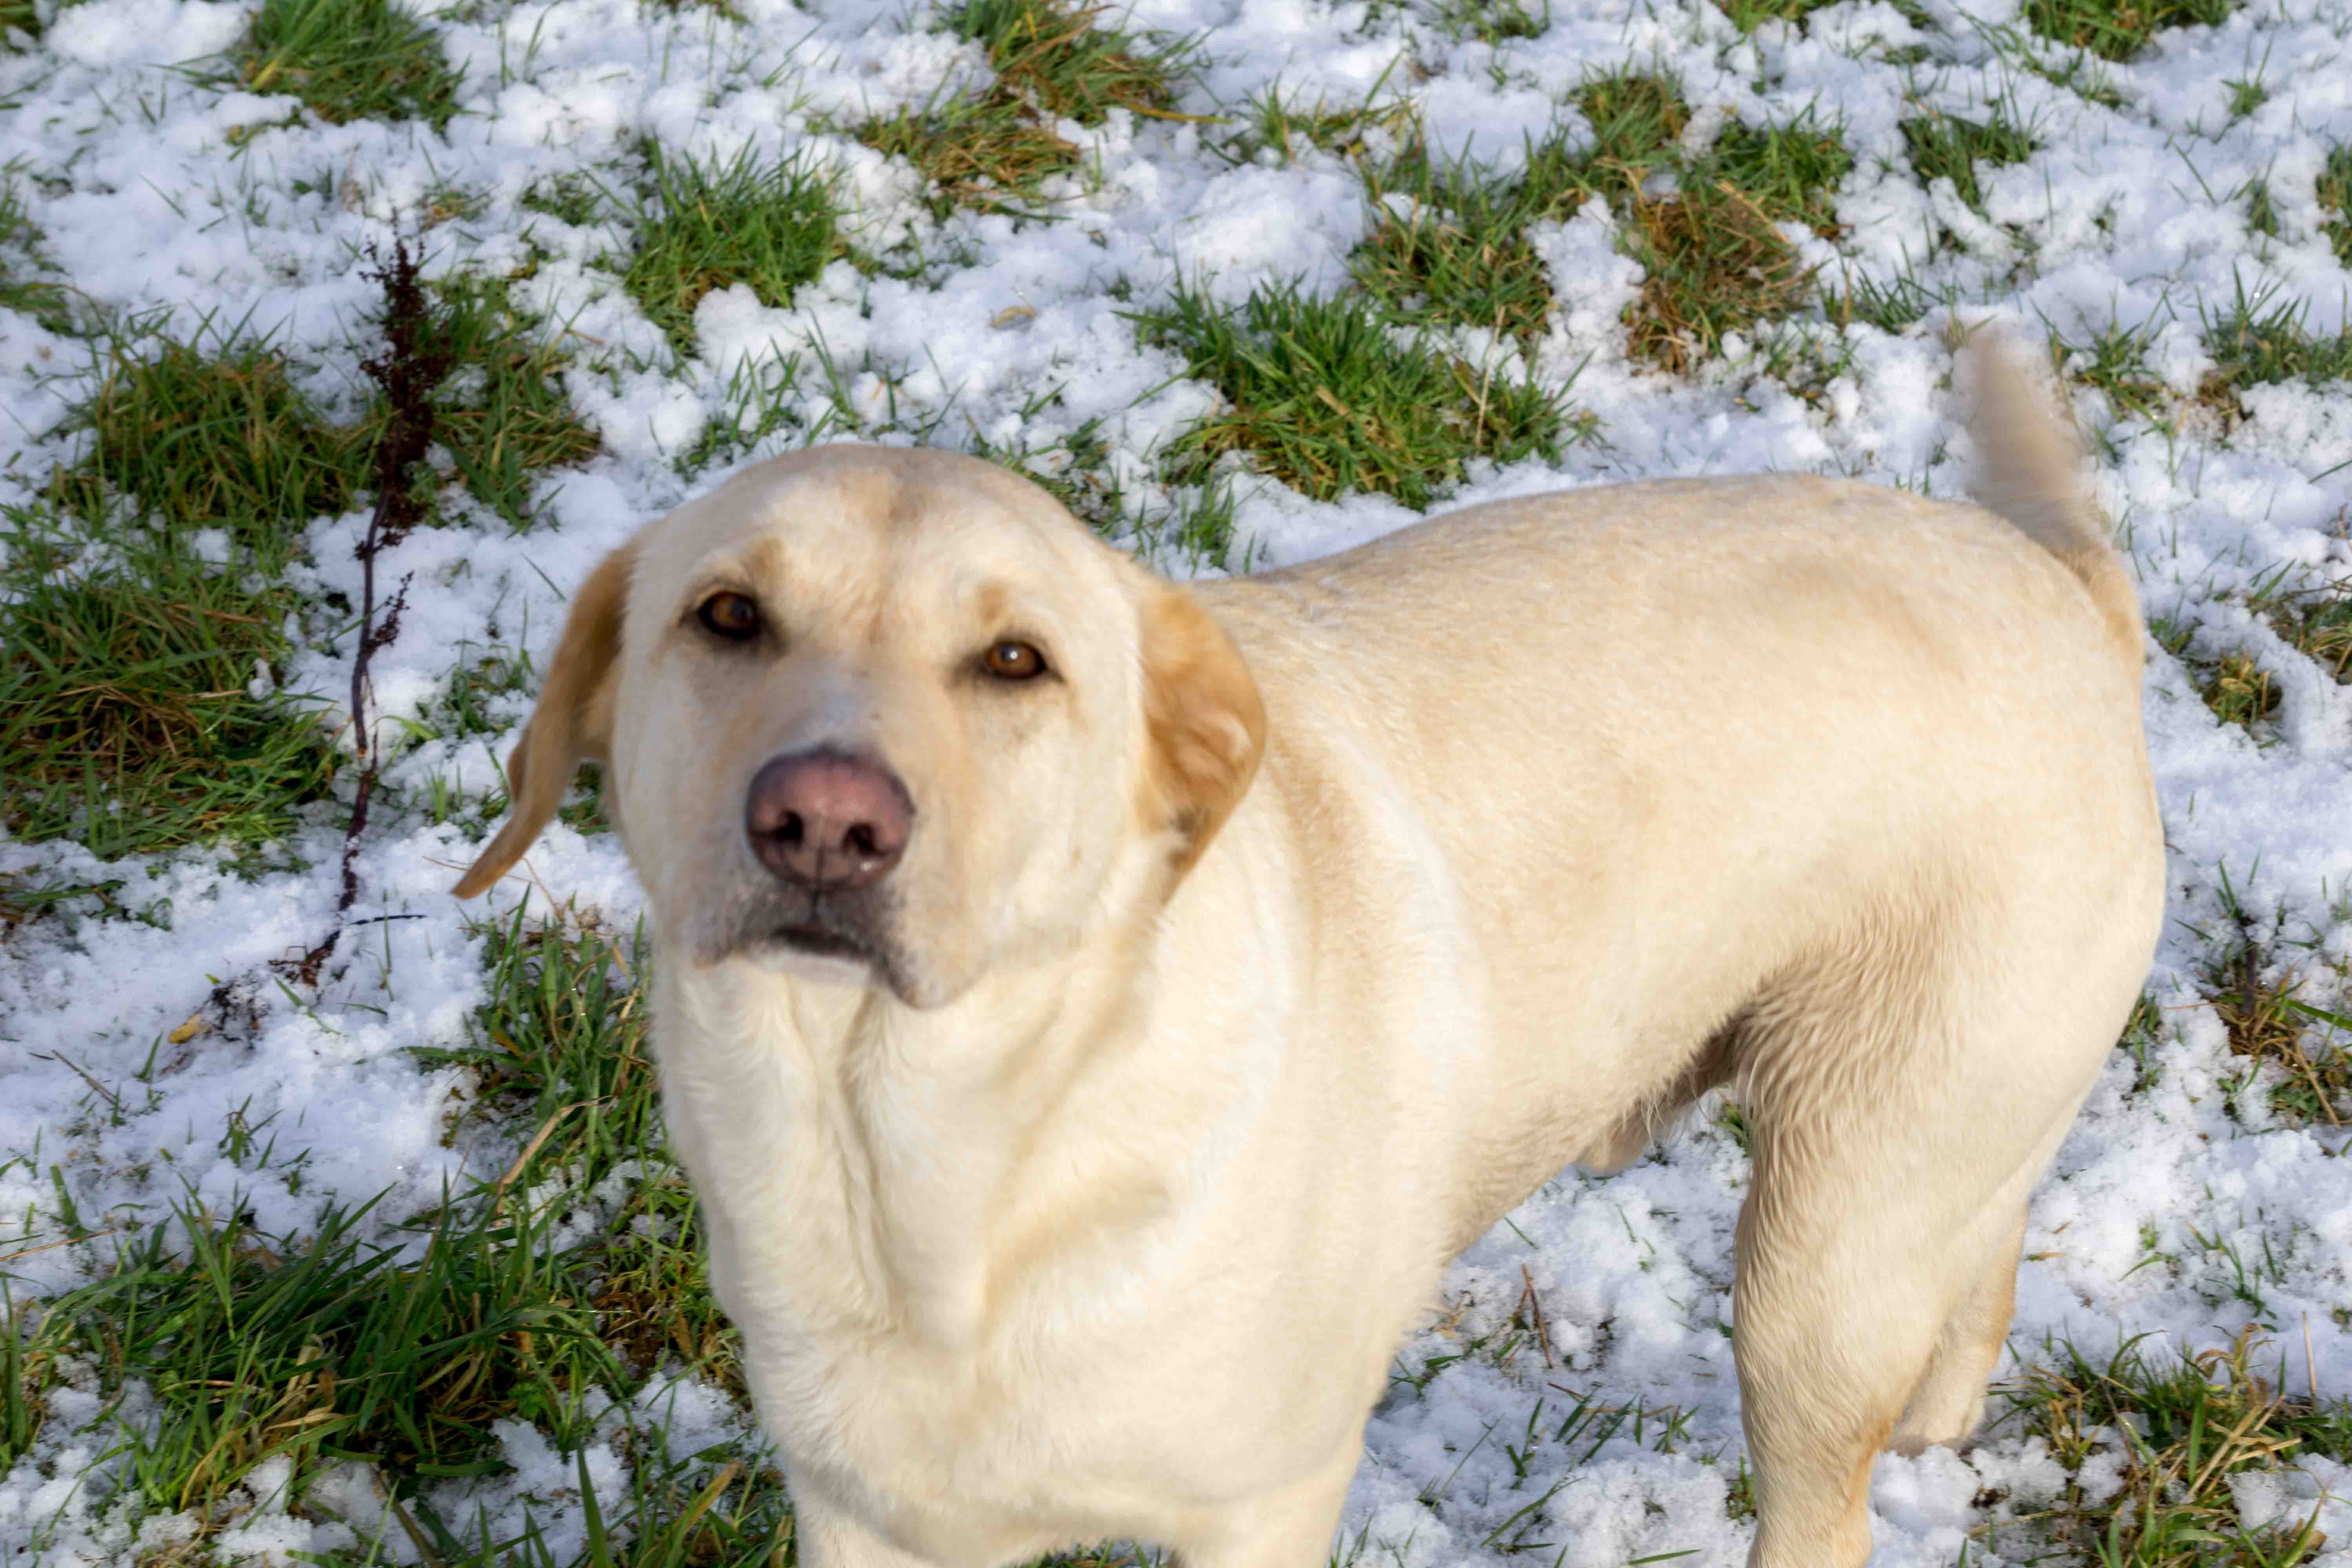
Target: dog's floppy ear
pixel 572 724
pixel 1204 722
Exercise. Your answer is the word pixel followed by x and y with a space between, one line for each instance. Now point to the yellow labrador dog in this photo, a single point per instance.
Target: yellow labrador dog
pixel 1092 1012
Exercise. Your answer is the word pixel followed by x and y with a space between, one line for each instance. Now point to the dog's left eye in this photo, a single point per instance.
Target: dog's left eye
pixel 733 616
pixel 1012 661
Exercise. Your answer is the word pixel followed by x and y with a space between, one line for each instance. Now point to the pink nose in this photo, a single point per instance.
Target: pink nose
pixel 828 821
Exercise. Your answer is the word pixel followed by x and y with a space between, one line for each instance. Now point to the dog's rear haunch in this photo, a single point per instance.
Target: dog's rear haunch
pixel 1093 1012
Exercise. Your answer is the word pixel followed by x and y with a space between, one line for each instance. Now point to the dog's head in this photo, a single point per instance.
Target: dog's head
pixel 892 717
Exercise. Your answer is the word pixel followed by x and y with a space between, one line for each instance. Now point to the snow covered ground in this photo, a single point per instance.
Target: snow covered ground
pixel 141 1033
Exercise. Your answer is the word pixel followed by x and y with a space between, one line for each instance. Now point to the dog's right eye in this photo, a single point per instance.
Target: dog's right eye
pixel 730 615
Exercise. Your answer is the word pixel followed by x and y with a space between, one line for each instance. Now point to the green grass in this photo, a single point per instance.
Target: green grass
pixel 1286 128
pixel 2268 1025
pixel 403 1349
pixel 125 708
pixel 1715 262
pixel 2231 682
pixel 2260 340
pixel 2114 360
pixel 1319 396
pixel 1717 265
pixel 2313 617
pixel 1492 22
pixel 2187 1426
pixel 770 224
pixel 332 1347
pixel 1460 255
pixel 2119 29
pixel 23 286
pixel 1790 169
pixel 216 436
pixel 1945 146
pixel 126 704
pixel 349 59
pixel 1054 57
pixel 995 148
pixel 2334 191
pixel 560 1047
pixel 1749 14
pixel 983 151
pixel 503 413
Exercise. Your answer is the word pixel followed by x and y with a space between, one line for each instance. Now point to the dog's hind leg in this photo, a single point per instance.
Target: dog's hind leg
pixel 1905 1094
pixel 1836 1317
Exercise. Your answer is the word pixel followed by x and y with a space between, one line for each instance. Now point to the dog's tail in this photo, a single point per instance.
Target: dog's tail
pixel 2028 470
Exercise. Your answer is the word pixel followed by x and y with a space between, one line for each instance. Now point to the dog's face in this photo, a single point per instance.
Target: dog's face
pixel 879 716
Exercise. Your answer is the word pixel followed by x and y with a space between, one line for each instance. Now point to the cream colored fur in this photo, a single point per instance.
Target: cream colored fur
pixel 1244 970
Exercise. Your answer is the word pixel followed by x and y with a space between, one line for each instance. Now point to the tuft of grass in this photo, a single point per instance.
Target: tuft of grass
pixel 502 413
pixel 1716 260
pixel 1494 22
pixel 22 288
pixel 334 1347
pixel 2315 619
pixel 1287 128
pixel 2268 1023
pixel 27 1369
pixel 1054 58
pixel 349 59
pixel 2114 360
pixel 711 224
pixel 1717 265
pixel 1891 306
pixel 1457 252
pixel 2335 192
pixel 1788 169
pixel 1323 398
pixel 982 151
pixel 1635 117
pixel 2187 1426
pixel 2119 29
pixel 1945 146
pixel 993 150
pixel 2236 688
pixel 559 1048
pixel 2261 208
pixel 1449 245
pixel 1749 14
pixel 128 705
pixel 221 438
pixel 573 198
pixel 2260 340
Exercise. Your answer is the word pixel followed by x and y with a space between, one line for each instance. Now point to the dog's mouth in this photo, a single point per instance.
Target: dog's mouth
pixel 825 941
pixel 780 927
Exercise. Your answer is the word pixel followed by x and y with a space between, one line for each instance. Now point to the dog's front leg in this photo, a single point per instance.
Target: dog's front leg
pixel 1288 1528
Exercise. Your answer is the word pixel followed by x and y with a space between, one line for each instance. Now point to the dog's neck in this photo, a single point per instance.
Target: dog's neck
pixel 938 1159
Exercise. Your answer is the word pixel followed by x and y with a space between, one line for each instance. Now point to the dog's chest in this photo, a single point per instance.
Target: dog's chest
pixel 1022 1432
